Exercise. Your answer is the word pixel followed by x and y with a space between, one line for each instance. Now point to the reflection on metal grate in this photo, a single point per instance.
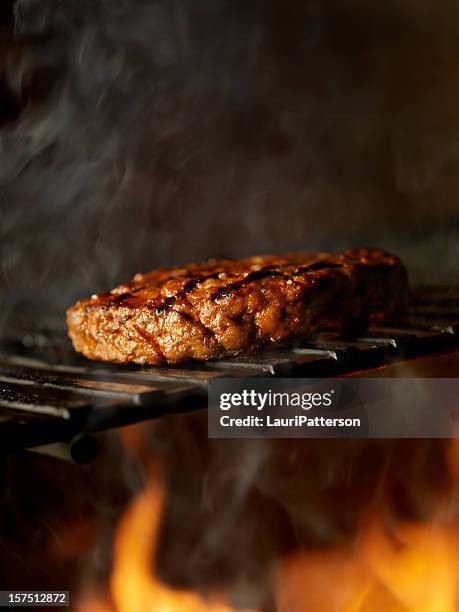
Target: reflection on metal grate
pixel 50 395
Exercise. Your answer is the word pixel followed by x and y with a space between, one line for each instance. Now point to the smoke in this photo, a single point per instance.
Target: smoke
pixel 234 507
pixel 155 132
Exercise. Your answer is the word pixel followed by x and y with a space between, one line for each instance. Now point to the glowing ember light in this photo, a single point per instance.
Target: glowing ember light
pixel 94 604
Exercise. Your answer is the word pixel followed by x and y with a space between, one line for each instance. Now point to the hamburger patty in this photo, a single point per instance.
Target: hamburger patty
pixel 222 307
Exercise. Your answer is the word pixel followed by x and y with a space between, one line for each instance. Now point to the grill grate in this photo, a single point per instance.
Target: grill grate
pixel 50 395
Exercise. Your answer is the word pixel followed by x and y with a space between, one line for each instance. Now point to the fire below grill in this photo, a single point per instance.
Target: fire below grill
pixel 53 401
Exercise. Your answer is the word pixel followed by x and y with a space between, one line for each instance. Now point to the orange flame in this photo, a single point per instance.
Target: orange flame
pixel 405 568
pixel 133 584
pixel 415 570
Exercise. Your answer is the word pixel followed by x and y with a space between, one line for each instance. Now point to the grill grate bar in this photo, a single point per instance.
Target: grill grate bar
pixel 92 383
pixel 93 388
pixel 157 376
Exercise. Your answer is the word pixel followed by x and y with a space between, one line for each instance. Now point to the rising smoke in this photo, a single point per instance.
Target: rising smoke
pixel 155 132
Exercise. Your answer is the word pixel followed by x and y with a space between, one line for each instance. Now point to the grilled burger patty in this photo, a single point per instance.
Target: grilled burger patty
pixel 222 307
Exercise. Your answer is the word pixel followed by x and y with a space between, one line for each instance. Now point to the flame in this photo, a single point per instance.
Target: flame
pixel 414 570
pixel 133 583
pixel 412 567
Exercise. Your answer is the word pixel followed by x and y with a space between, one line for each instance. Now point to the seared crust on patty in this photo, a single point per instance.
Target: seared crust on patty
pixel 222 307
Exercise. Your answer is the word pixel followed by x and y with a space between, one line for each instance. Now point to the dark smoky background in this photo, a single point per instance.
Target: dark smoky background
pixel 144 133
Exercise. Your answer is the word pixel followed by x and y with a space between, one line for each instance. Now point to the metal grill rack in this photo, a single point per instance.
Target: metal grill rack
pixel 50 396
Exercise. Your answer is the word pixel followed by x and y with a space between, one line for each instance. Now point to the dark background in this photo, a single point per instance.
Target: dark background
pixel 137 134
